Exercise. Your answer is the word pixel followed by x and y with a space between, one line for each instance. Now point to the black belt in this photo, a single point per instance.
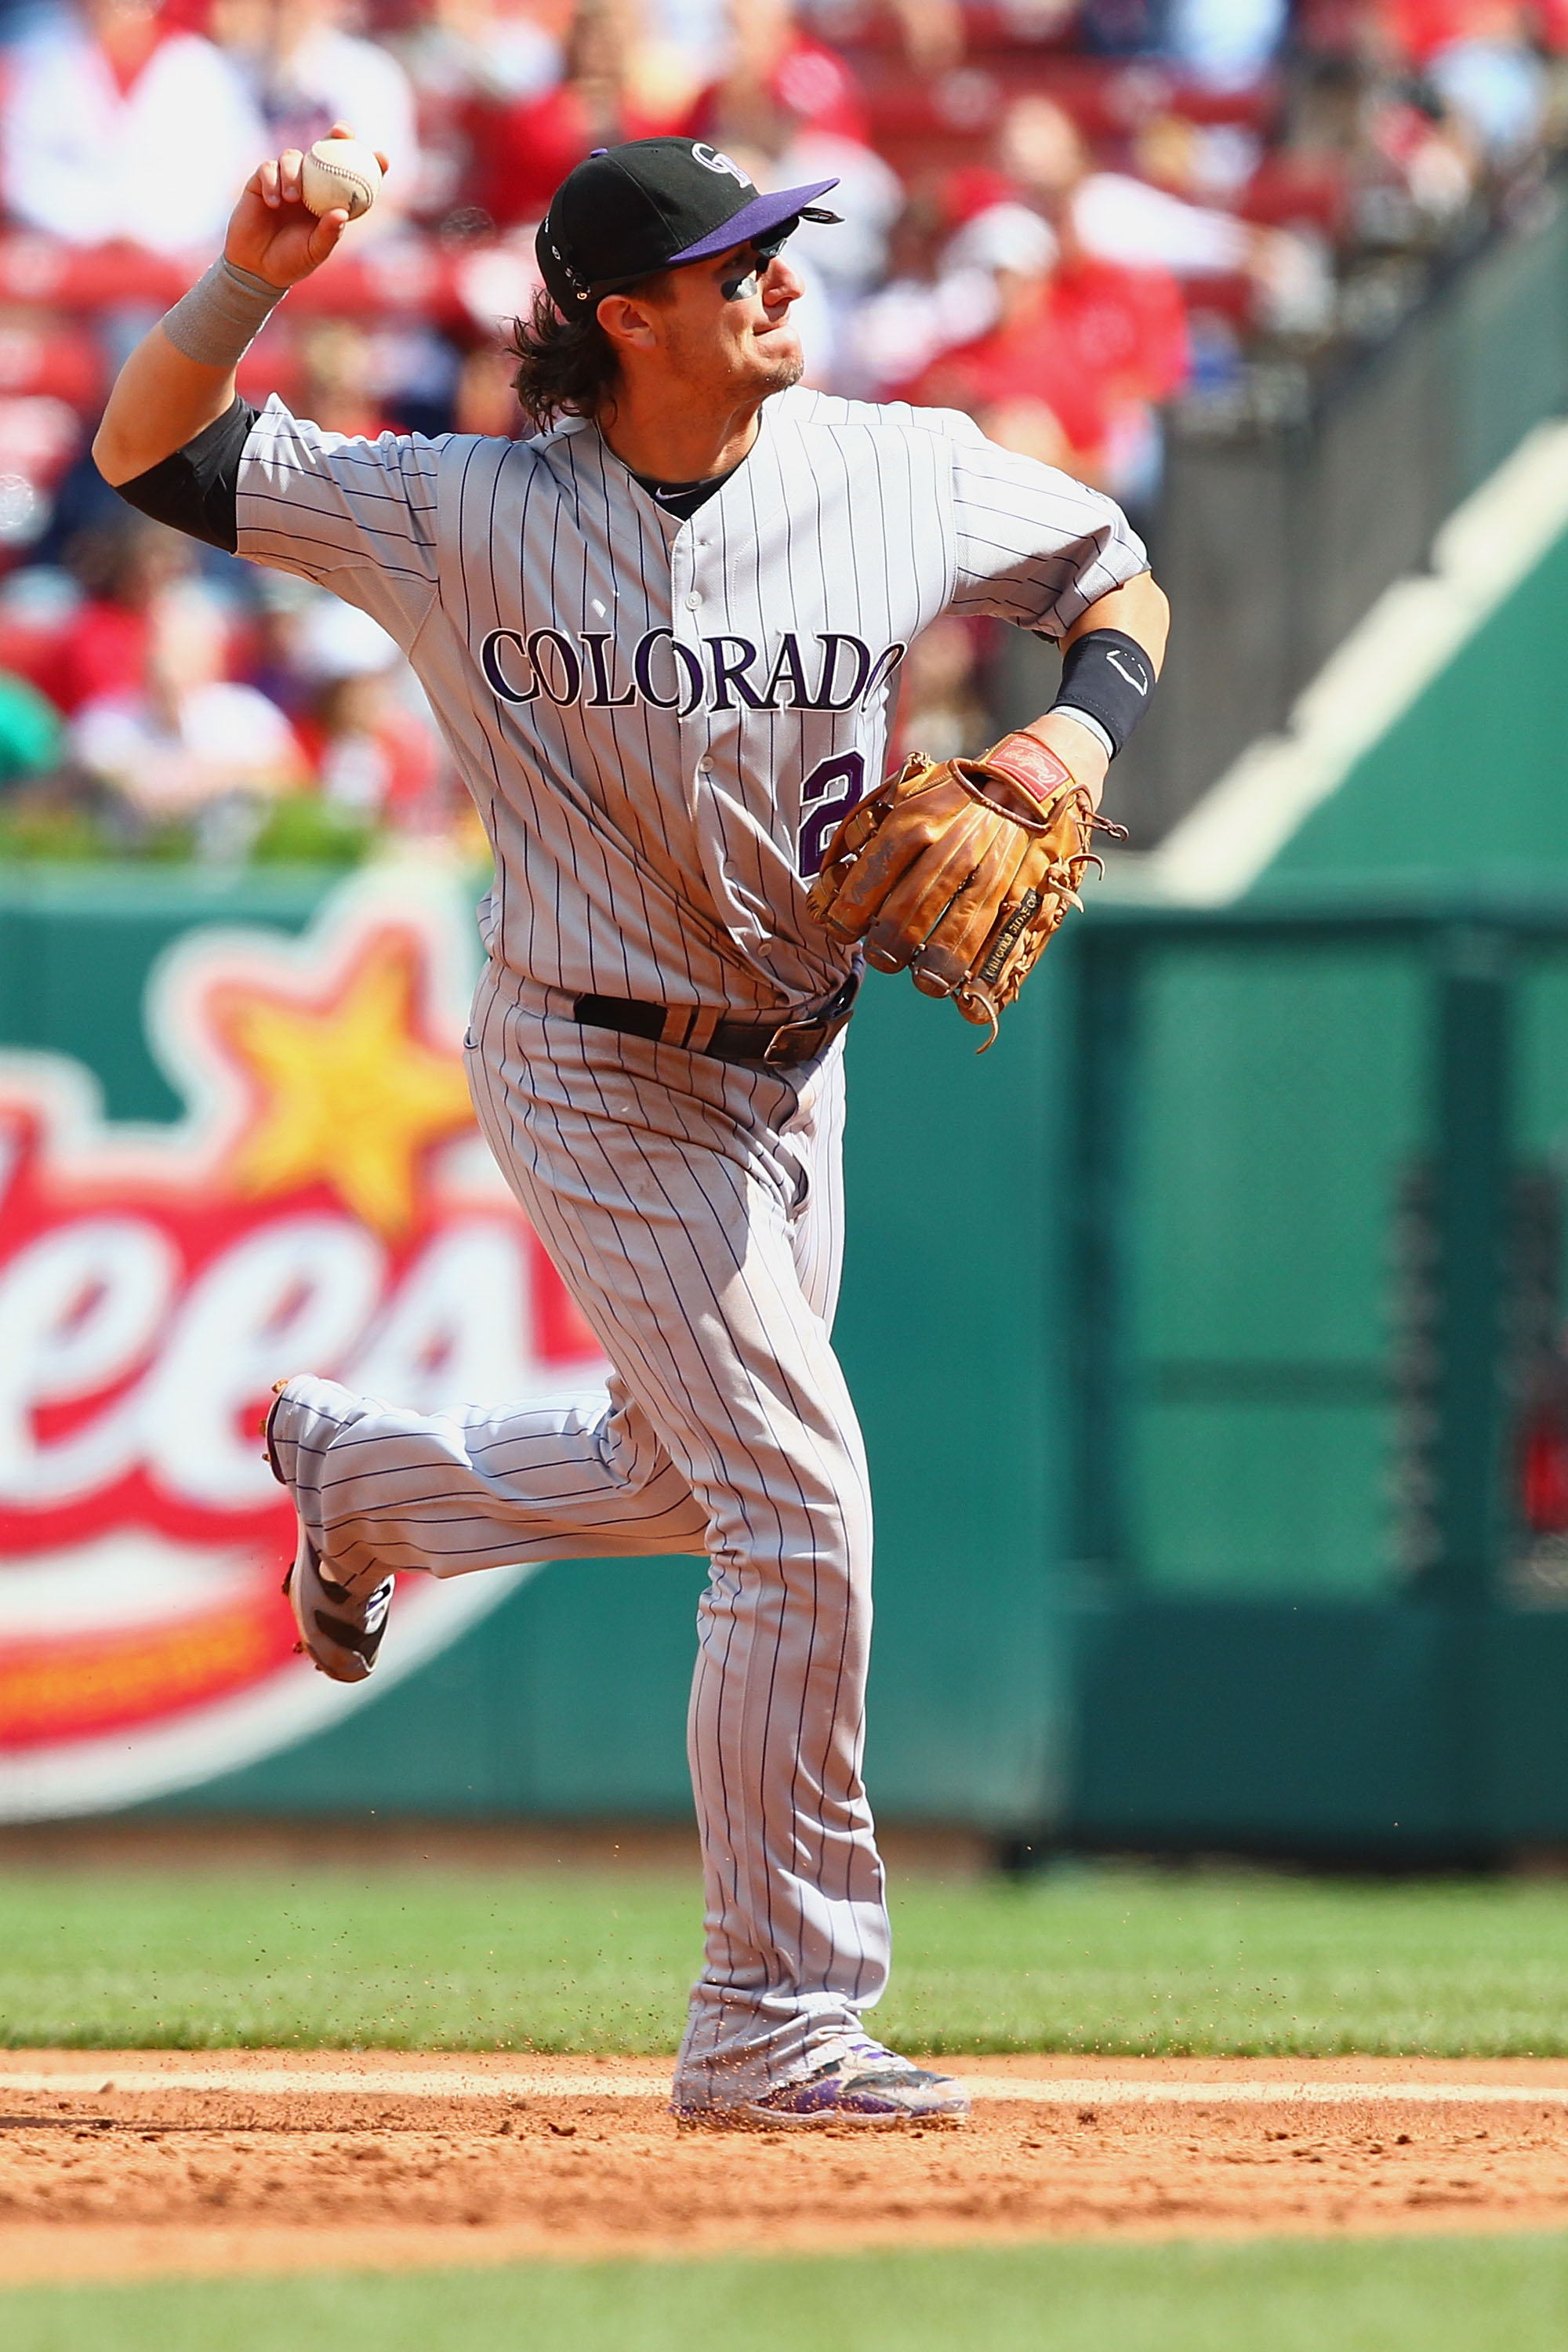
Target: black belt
pixel 783 1042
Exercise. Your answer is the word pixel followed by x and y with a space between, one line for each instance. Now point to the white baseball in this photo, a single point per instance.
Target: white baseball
pixel 340 175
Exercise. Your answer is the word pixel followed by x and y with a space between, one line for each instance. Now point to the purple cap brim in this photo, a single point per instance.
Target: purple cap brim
pixel 754 219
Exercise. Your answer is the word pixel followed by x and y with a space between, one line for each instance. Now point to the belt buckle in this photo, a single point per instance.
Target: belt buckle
pixel 796 1034
pixel 808 1037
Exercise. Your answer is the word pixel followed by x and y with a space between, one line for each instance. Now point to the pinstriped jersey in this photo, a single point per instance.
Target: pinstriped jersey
pixel 663 721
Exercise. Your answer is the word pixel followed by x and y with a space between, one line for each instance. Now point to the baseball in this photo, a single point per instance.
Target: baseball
pixel 340 172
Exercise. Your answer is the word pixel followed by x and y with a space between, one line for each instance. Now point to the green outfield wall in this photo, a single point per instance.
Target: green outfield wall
pixel 1315 1596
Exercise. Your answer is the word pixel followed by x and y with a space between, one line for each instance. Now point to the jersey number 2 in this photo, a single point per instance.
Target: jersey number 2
pixel 833 787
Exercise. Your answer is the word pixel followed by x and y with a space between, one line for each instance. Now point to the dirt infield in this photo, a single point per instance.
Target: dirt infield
pixel 114 2165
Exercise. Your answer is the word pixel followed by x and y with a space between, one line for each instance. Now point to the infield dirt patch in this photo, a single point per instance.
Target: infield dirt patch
pixel 139 2162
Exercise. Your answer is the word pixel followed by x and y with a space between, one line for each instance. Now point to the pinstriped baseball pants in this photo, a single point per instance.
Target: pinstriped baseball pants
pixel 694 1209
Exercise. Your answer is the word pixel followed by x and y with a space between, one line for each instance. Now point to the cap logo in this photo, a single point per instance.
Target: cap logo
pixel 712 160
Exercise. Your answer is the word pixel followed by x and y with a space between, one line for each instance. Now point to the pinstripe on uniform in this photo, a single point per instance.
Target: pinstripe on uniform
pixel 661 722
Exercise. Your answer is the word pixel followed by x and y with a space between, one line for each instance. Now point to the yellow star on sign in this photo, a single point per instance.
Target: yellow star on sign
pixel 353 1096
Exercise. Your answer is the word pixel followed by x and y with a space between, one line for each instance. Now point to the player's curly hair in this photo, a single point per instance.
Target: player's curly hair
pixel 566 367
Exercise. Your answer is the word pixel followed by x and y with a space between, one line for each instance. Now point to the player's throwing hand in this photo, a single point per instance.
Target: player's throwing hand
pixel 272 232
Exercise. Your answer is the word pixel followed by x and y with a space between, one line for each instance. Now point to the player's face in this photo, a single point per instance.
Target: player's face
pixel 725 329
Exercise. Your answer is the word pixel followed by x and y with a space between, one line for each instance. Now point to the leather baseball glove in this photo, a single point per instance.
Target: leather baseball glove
pixel 960 870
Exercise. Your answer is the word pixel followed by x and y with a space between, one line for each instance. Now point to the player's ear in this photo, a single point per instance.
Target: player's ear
pixel 628 322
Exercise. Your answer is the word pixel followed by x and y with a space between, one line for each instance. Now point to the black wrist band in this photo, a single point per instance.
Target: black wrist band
pixel 1107 680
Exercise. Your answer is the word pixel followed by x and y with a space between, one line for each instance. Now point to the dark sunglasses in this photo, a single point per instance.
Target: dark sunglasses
pixel 767 249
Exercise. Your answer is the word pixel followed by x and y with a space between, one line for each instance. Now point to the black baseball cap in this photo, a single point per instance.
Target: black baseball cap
pixel 628 212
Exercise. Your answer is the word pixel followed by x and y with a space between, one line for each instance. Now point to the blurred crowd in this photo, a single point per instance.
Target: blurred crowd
pixel 1063 216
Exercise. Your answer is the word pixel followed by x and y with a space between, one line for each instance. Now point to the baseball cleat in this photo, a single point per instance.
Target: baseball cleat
pixel 856 2082
pixel 341 1625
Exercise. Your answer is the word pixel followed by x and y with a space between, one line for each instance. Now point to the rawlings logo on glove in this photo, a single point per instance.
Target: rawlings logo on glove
pixel 958 871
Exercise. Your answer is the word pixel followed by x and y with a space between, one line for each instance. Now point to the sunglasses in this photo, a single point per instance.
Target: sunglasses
pixel 746 283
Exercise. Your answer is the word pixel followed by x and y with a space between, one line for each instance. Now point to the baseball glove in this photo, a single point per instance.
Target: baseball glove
pixel 960 870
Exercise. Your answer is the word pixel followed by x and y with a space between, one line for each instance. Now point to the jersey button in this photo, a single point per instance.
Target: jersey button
pixel 694 598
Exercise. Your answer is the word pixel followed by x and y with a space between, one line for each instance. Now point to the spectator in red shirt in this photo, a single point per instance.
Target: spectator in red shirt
pixel 523 149
pixel 778 76
pixel 126 566
pixel 1093 343
pixel 1123 219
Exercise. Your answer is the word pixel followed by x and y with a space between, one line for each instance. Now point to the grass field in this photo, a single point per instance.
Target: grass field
pixel 1092 1958
pixel 1401 2296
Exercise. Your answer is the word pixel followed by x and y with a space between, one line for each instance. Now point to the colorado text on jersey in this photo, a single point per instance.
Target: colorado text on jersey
pixel 671 676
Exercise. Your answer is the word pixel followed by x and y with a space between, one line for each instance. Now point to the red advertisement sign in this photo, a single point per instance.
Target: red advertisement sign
pixel 325 1204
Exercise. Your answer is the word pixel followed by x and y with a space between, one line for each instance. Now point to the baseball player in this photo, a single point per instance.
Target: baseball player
pixel 661 637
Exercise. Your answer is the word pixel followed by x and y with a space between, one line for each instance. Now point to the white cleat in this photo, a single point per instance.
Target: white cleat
pixel 856 2081
pixel 341 1625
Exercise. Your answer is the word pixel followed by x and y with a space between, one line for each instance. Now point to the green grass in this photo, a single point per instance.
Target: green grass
pixel 1093 1959
pixel 1396 2296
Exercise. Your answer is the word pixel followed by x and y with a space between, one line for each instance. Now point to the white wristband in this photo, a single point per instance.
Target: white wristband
pixel 1085 719
pixel 216 322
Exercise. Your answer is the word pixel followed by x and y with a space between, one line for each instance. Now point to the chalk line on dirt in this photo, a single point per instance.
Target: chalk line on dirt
pixel 1063 2091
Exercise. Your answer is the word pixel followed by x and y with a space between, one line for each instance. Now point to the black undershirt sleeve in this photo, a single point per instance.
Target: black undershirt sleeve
pixel 196 489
